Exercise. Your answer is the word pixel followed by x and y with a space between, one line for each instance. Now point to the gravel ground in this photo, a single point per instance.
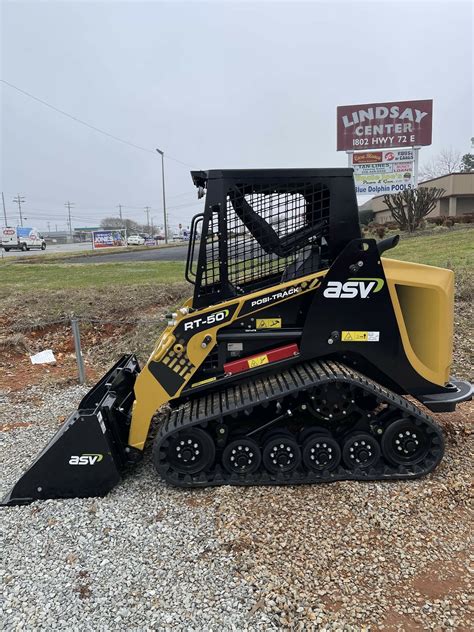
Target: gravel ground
pixel 338 557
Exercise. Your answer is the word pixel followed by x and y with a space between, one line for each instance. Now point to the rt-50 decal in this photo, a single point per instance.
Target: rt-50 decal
pixel 206 321
pixel 353 288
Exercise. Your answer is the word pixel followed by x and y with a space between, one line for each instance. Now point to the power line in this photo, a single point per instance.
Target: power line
pixel 93 127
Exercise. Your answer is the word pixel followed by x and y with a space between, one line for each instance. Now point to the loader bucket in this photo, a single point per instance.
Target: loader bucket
pixel 89 453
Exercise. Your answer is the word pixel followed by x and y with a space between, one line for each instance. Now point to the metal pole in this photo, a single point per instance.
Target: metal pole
pixel 4 210
pixel 77 347
pixel 162 153
pixel 415 166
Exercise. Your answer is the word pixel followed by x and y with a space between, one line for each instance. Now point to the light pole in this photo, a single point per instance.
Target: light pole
pixel 162 154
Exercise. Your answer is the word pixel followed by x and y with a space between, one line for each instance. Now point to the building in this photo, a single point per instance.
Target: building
pixel 457 200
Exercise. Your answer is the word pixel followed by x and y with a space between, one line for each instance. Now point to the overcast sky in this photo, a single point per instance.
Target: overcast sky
pixel 214 84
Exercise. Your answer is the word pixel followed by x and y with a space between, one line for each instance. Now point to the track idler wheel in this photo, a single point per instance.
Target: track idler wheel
pixel 361 451
pixel 405 443
pixel 281 453
pixel 192 451
pixel 321 452
pixel 242 456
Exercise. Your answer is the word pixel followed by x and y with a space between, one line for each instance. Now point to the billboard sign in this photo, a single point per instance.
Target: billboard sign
pixel 377 172
pixel 384 125
pixel 108 238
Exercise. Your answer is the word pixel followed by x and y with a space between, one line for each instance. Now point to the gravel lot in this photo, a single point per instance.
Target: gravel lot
pixel 338 557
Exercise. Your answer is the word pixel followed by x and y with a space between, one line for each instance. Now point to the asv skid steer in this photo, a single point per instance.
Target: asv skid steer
pixel 289 363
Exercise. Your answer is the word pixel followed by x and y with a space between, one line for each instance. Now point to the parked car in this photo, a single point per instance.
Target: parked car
pixel 21 238
pixel 135 240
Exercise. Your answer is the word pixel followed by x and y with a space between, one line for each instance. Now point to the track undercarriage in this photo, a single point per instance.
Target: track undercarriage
pixel 314 422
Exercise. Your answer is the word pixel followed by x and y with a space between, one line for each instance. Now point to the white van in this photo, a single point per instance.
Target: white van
pixel 21 238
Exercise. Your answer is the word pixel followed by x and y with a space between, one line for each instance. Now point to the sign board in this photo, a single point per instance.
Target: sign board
pixel 384 125
pixel 108 238
pixel 377 172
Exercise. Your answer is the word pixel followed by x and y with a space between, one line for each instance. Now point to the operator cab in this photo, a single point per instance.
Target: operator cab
pixel 264 227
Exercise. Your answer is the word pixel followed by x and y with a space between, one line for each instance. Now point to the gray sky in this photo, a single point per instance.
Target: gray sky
pixel 216 85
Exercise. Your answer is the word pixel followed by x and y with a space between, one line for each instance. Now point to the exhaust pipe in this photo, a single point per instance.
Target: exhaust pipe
pixel 387 244
pixel 90 452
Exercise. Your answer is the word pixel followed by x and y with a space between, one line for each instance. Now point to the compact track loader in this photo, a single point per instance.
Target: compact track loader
pixel 288 365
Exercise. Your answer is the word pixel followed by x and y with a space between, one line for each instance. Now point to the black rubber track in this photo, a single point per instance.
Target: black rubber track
pixel 238 401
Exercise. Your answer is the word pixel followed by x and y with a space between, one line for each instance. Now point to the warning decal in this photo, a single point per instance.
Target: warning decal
pixel 258 361
pixel 268 323
pixel 360 336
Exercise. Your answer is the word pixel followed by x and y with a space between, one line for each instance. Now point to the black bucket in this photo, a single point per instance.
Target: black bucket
pixel 90 452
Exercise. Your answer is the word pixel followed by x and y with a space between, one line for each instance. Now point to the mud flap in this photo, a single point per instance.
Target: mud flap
pixel 89 453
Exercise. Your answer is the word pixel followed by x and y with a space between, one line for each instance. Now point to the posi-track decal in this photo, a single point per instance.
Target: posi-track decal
pixel 259 302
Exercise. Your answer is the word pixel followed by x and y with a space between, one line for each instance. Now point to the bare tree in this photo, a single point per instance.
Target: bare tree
pixel 447 161
pixel 117 222
pixel 409 207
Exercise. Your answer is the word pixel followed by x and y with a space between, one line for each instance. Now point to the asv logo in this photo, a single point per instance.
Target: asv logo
pixel 86 459
pixel 210 319
pixel 353 288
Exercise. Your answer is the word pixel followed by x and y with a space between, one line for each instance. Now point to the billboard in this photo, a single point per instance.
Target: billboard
pixel 384 125
pixel 108 238
pixel 377 172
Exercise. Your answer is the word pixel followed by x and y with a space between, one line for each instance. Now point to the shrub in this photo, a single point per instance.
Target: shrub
pixel 380 231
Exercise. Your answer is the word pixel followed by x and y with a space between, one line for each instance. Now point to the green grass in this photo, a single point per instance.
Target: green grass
pixel 18 276
pixel 453 249
pixel 447 249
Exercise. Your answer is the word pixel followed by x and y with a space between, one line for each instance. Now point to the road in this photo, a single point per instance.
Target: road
pixel 172 253
pixel 50 248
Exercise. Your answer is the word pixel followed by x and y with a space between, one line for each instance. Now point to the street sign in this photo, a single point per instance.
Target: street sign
pixel 384 125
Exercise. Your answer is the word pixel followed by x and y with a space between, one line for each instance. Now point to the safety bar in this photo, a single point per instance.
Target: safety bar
pixel 189 273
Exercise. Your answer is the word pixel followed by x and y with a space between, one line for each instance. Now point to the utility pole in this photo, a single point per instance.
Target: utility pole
pixel 20 200
pixel 120 212
pixel 56 227
pixel 68 204
pixel 162 154
pixel 4 210
pixel 147 211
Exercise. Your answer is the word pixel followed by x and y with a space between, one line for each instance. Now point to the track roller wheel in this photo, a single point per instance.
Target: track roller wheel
pixel 192 451
pixel 242 456
pixel 281 454
pixel 361 451
pixel 405 443
pixel 321 452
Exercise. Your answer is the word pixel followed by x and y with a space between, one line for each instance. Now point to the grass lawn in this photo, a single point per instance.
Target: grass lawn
pixel 451 249
pixel 20 276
